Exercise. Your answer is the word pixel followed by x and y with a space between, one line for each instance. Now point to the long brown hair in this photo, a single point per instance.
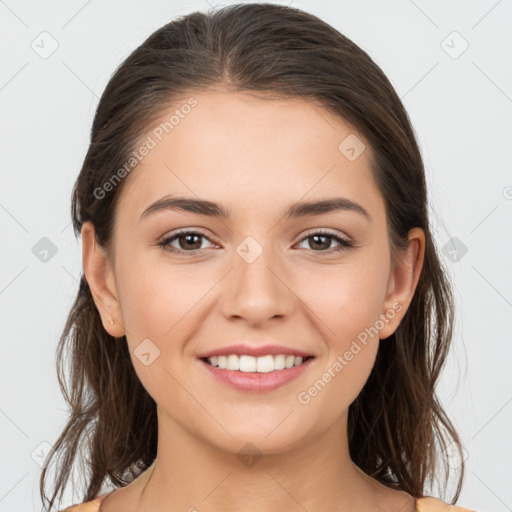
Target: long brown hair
pixel 397 427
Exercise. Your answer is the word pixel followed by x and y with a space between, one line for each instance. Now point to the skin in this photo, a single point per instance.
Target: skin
pixel 254 156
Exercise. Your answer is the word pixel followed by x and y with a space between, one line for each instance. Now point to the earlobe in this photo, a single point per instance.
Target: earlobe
pixel 100 278
pixel 403 281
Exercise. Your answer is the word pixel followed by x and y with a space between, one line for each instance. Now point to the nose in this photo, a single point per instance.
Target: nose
pixel 257 290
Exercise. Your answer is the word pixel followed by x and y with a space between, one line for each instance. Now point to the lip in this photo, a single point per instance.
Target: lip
pixel 254 381
pixel 255 351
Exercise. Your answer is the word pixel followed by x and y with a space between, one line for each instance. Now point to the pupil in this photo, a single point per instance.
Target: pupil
pixel 325 244
pixel 190 236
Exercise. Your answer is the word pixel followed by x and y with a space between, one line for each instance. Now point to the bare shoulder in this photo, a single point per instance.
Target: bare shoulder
pixel 437 505
pixel 88 506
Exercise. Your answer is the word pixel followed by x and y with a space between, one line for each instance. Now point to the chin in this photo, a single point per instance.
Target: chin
pixel 263 440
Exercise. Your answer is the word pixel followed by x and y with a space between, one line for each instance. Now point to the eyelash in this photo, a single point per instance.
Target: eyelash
pixel 344 243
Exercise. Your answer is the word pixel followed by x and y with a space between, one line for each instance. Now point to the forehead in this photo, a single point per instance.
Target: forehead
pixel 248 151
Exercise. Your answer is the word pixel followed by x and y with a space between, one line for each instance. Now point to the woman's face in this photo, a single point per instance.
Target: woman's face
pixel 256 276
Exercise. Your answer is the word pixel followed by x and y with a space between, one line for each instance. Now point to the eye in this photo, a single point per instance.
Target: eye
pixel 188 241
pixel 319 243
pixel 191 241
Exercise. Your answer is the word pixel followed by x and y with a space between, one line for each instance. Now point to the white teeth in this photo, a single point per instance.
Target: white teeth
pixel 232 363
pixel 245 363
pixel 263 364
pixel 279 362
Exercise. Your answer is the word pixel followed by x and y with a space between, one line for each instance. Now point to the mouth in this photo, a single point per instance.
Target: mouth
pixel 256 374
pixel 250 364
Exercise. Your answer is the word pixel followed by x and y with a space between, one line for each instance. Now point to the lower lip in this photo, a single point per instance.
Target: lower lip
pixel 254 381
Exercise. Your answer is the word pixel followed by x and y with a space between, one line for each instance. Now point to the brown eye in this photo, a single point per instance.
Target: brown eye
pixel 188 241
pixel 321 242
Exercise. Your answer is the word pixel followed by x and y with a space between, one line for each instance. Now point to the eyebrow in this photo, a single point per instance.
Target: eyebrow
pixel 295 210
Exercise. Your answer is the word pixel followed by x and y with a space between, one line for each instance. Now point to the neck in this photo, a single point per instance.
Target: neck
pixel 190 474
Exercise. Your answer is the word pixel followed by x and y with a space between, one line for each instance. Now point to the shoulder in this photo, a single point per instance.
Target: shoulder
pixel 437 505
pixel 88 506
pixel 422 505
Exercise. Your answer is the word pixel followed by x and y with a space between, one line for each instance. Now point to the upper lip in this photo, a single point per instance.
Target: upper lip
pixel 255 351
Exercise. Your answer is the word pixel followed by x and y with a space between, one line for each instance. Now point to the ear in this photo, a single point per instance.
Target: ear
pixel 402 282
pixel 101 281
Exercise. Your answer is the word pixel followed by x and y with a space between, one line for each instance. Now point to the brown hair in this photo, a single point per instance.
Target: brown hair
pixel 397 427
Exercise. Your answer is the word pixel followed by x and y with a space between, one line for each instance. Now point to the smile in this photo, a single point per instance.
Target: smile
pixel 263 364
pixel 256 374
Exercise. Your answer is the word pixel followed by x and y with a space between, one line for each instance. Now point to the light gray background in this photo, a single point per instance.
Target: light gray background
pixel 460 107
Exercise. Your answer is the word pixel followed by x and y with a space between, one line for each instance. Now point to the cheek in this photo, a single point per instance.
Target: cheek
pixel 160 308
pixel 336 385
pixel 346 299
pixel 159 300
pixel 347 319
pixel 346 302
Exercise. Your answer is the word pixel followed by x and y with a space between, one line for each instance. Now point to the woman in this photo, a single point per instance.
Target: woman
pixel 263 315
